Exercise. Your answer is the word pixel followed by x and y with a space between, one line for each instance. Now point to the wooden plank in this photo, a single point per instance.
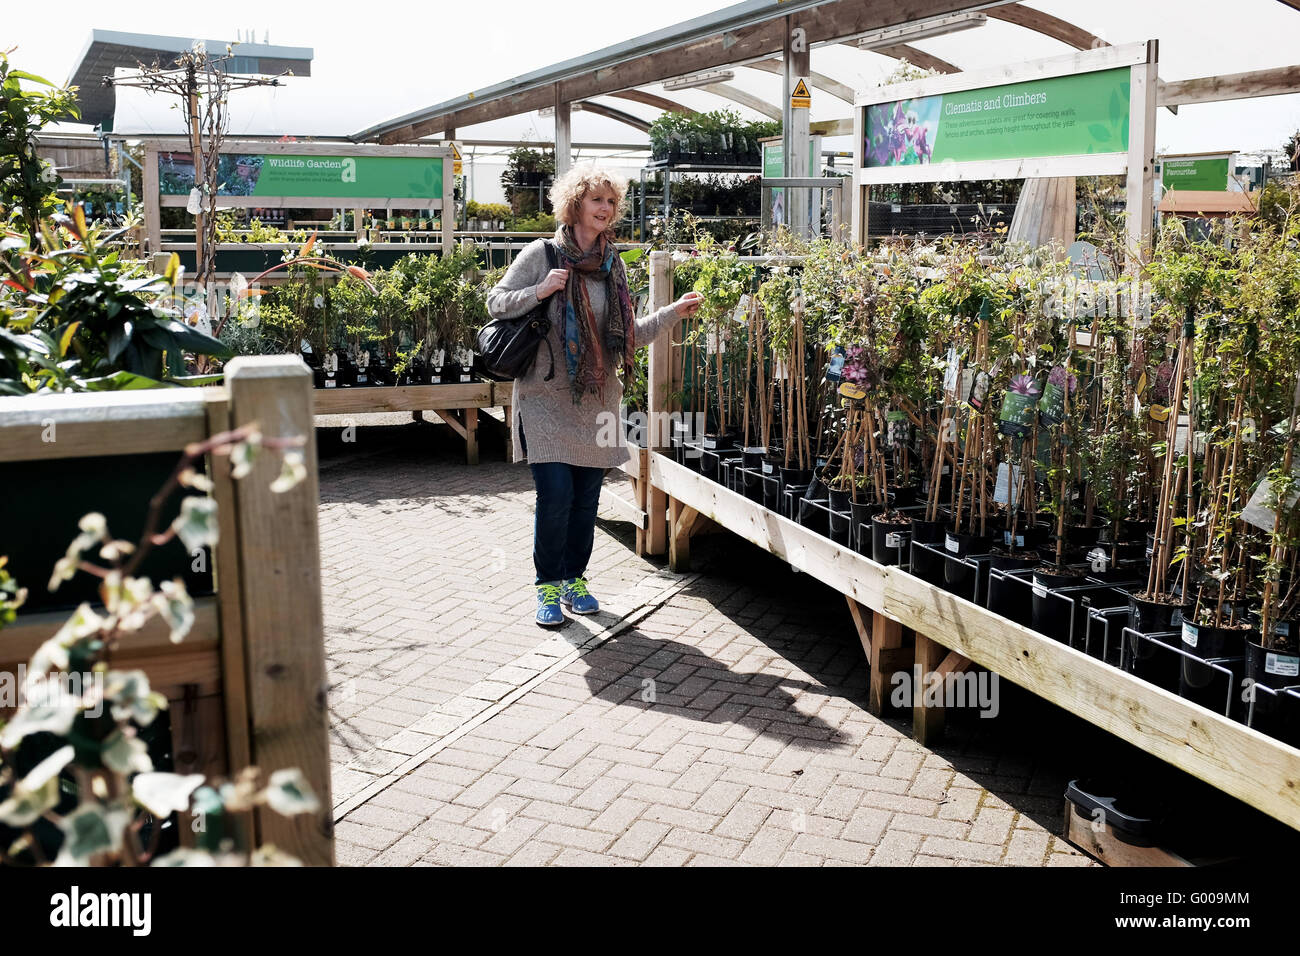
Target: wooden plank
pixel 655 100
pixel 1199 741
pixel 452 417
pixel 658 388
pixel 471 435
pixel 225 557
pixel 84 424
pixel 841 568
pixel 627 510
pixel 1276 81
pixel 927 717
pixel 729 92
pixel 279 559
pixel 1101 843
pixel 884 660
pixel 20 640
pixel 819 81
pixel 152 215
pixel 400 398
pixel 680 519
pixel 1047 25
pixel 1139 192
pixel 860 624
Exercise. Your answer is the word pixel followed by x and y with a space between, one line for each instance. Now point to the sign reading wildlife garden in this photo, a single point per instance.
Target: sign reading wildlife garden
pixel 1208 173
pixel 1057 116
pixel 309 176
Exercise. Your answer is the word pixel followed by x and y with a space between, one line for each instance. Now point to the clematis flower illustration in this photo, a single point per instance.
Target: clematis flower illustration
pixel 1024 385
pixel 1057 378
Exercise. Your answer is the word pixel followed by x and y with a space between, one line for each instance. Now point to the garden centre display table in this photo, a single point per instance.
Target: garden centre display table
pixel 456 404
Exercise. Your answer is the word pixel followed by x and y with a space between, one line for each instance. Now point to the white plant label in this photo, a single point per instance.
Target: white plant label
pixel 950 374
pixel 742 310
pixel 1257 511
pixel 951 544
pixel 1001 491
pixel 1283 665
pixel 1191 635
pixel 1039 591
pixel 779 370
pixel 893 540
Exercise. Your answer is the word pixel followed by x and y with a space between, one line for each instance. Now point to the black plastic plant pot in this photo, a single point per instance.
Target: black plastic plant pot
pixel 959 576
pixel 962 543
pixel 709 464
pixel 1207 642
pixel 1153 617
pixel 902 497
pixel 1082 536
pixel 1006 596
pixel 1206 685
pixel 771 492
pixel 753 456
pixel 841 517
pixel 718 442
pixel 890 537
pixel 862 512
pixel 927 560
pixel 317 378
pixel 1049 615
pixel 797 478
pixel 1270 666
pixel 927 532
pixel 1128 820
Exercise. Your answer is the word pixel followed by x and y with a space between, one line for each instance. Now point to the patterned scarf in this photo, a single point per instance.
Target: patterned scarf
pixel 583 353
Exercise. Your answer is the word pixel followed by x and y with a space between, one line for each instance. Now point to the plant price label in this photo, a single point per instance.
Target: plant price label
pixel 1283 665
pixel 1040 592
pixel 1002 490
pixel 1191 634
pixel 951 544
pixel 894 539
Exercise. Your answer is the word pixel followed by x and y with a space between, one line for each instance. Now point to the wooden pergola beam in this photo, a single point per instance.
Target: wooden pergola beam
pixel 655 100
pixel 912 55
pixel 1047 25
pixel 744 99
pixel 1230 86
pixel 608 111
pixel 819 81
pixel 830 23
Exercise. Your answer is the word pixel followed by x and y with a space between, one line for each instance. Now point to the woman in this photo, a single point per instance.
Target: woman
pixel 562 425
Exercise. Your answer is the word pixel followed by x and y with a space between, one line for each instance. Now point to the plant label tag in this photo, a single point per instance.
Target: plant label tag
pixel 1040 591
pixel 1191 634
pixel 852 392
pixel 1019 539
pixel 330 383
pixel 1257 511
pixel 1180 436
pixel 780 370
pixel 1249 431
pixel 439 357
pixel 967 381
pixel 361 378
pixel 950 373
pixel 893 540
pixel 464 377
pixel 951 544
pixel 742 310
pixel 1002 490
pixel 1283 665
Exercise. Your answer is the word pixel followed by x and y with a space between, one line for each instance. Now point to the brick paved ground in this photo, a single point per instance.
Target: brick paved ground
pixel 714 718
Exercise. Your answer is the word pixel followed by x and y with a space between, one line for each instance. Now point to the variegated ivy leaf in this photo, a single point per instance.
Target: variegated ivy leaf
pixel 65 569
pixel 292 472
pixel 288 793
pixel 130 697
pixel 125 753
pixel 54 714
pixel 116 550
pixel 37 792
pixel 163 794
pixel 176 607
pixel 243 455
pixel 195 479
pixel 196 525
pixel 91 829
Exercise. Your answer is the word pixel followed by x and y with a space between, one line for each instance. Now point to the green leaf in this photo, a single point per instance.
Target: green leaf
pixel 89 830
pixel 54 715
pixel 38 791
pixel 196 525
pixel 125 753
pixel 1099 132
pixel 288 793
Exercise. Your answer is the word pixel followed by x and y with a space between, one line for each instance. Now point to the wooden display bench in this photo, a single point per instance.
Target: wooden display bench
pixel 457 404
pixel 247 685
pixel 950 634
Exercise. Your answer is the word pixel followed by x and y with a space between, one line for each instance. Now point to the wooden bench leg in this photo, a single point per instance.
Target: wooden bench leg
pixel 681 522
pixel 934 664
pixel 886 656
pixel 471 436
pixel 417 416
pixel 640 484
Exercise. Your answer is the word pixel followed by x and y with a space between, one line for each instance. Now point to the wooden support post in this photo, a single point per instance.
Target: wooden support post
pixel 861 623
pixel 681 524
pixel 279 567
pixel 927 715
pixel 658 371
pixel 152 199
pixel 448 213
pixel 640 492
pixel 887 656
pixel 1141 155
pixel 563 135
pixel 471 436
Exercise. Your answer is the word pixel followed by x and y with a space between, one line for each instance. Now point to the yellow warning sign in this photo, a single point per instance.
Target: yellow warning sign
pixel 457 168
pixel 800 98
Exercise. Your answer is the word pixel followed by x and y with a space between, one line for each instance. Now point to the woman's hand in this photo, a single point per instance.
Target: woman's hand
pixel 687 305
pixel 554 282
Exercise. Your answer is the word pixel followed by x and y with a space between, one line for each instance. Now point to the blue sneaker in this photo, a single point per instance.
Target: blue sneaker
pixel 576 597
pixel 549 613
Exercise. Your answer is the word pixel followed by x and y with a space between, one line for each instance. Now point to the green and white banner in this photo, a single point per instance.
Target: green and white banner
pixel 324 177
pixel 1058 116
pixel 1208 174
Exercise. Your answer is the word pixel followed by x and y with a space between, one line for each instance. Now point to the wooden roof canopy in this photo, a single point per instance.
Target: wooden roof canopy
pixel 751 34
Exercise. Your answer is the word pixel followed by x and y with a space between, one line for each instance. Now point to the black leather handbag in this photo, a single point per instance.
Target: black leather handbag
pixel 508 347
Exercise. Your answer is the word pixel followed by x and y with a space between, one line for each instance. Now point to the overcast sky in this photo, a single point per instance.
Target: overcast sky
pixel 382 58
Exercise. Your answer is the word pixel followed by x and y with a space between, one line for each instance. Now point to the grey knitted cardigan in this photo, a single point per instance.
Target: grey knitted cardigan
pixel 555 427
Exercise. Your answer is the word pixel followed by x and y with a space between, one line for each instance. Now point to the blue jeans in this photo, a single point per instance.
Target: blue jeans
pixel 564 528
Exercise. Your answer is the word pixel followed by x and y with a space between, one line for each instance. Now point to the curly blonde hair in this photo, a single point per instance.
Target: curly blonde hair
pixel 569 188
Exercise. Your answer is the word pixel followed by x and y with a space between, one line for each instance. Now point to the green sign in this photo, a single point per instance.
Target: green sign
pixel 1209 175
pixel 774 168
pixel 1059 116
pixel 326 177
